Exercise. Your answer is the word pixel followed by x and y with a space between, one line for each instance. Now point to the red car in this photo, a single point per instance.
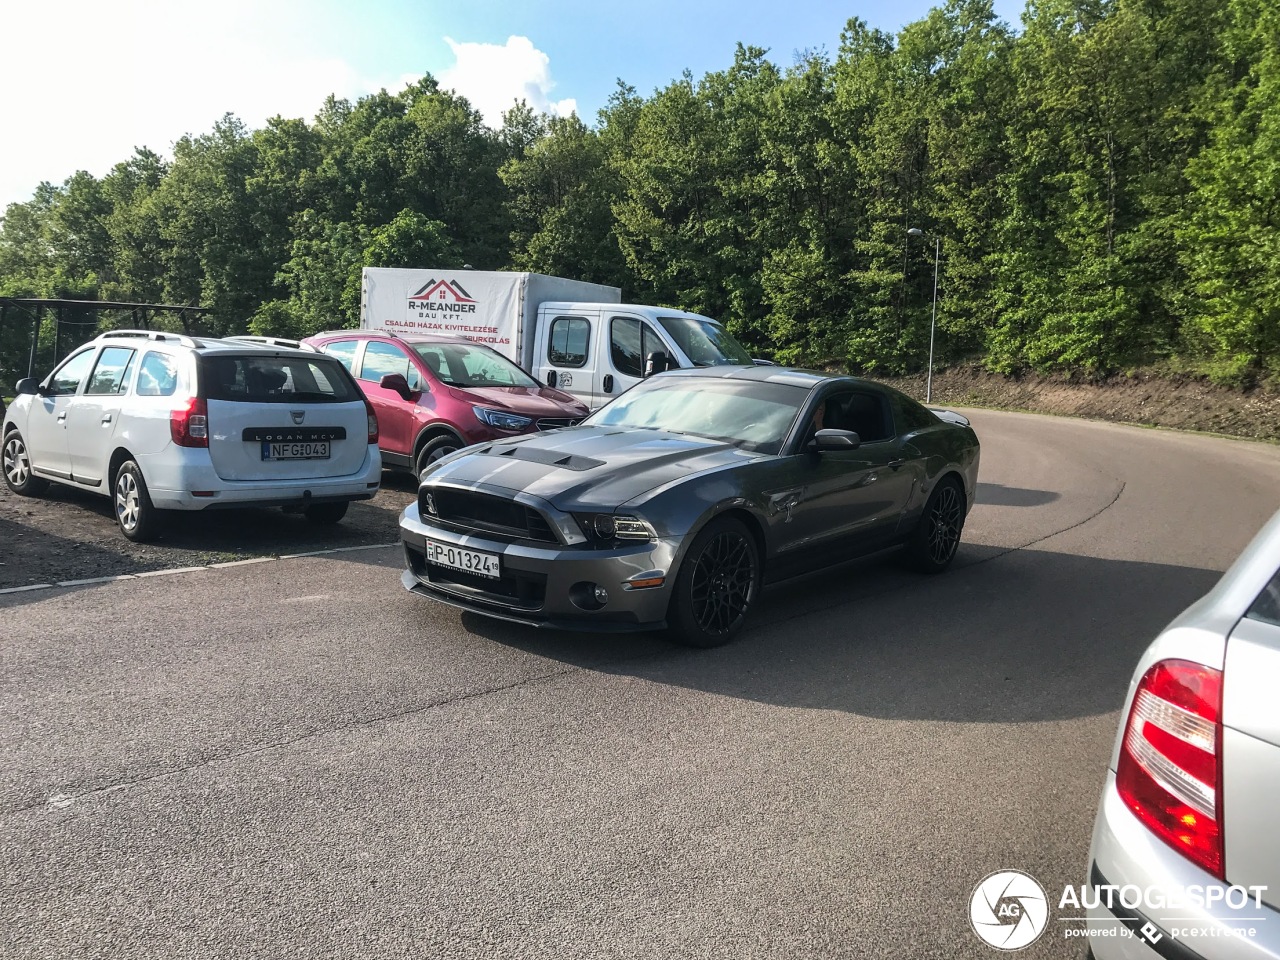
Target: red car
pixel 434 395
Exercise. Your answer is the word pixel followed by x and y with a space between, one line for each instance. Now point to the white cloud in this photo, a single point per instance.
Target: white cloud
pixel 85 81
pixel 494 77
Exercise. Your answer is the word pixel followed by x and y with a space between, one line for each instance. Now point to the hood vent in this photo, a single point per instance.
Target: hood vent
pixel 548 458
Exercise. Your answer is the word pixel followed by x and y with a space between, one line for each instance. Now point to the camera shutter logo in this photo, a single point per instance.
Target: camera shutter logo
pixel 1009 910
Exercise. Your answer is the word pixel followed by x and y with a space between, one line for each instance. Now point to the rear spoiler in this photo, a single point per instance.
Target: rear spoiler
pixel 950 416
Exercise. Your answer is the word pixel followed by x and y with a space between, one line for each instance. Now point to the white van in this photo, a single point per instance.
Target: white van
pixel 572 335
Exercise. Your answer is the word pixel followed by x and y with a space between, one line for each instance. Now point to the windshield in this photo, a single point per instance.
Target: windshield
pixel 470 365
pixel 705 342
pixel 748 413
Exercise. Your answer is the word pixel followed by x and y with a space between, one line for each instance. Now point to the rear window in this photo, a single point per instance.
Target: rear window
pixel 259 379
pixel 1267 607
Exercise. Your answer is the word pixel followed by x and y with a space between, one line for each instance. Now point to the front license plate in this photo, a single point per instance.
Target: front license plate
pixel 299 450
pixel 468 561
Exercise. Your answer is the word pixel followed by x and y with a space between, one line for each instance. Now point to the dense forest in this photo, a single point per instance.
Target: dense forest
pixel 1104 179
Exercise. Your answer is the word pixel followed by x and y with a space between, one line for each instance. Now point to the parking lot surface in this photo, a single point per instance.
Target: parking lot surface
pixel 296 758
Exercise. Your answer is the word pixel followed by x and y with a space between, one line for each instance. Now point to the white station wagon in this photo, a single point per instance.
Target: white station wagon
pixel 161 421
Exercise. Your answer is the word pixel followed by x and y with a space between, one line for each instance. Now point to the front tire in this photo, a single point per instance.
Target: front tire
pixel 326 512
pixel 16 462
pixel 137 517
pixel 936 538
pixel 434 450
pixel 717 585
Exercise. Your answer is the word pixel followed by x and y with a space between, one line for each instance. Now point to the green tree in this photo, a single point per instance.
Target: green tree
pixel 1231 240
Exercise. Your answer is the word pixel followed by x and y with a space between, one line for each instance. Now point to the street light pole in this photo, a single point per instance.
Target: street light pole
pixel 933 322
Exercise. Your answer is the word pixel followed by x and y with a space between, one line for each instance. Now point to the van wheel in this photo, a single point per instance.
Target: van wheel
pixel 936 538
pixel 134 512
pixel 17 468
pixel 435 450
pixel 717 585
pixel 326 512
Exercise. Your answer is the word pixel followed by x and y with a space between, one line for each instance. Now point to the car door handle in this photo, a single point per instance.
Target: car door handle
pixel 62 418
pixel 107 418
pixel 895 464
pixel 608 383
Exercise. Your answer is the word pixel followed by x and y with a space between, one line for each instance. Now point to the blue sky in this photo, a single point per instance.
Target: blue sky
pixel 143 72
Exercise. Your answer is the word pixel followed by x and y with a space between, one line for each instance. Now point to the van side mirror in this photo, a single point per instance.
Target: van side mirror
pixel 27 386
pixel 829 440
pixel 397 382
pixel 657 362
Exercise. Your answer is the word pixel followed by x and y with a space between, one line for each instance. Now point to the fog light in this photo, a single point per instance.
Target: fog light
pixel 587 595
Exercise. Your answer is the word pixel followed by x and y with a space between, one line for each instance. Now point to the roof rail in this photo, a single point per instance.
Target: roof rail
pixel 349 332
pixel 156 335
pixel 269 341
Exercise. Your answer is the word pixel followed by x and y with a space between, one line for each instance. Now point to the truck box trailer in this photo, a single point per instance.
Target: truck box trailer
pixel 569 334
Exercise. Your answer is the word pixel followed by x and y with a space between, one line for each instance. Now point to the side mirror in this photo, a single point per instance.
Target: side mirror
pixel 27 386
pixel 836 440
pixel 656 362
pixel 397 382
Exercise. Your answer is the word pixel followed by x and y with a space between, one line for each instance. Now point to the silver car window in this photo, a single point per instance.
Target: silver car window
pixel 1267 607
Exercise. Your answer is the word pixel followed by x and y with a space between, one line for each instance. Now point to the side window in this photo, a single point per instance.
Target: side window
pixel 1267 607
pixel 111 372
pixel 912 416
pixel 381 359
pixel 157 376
pixel 630 341
pixel 344 351
pixel 568 344
pixel 866 414
pixel 67 378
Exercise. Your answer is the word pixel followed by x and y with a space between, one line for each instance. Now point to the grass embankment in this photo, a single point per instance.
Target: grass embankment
pixel 1179 402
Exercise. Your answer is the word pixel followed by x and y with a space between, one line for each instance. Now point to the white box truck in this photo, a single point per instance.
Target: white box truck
pixel 568 334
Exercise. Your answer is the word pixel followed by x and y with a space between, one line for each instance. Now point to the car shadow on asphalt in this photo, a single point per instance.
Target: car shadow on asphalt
pixel 998 495
pixel 1009 636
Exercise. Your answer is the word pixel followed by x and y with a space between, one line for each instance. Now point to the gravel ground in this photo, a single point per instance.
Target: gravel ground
pixel 68 534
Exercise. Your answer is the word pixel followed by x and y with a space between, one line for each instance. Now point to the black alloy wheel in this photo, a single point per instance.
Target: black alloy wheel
pixel 717 585
pixel 934 543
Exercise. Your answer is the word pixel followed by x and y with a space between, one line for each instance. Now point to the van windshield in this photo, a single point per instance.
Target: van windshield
pixel 705 342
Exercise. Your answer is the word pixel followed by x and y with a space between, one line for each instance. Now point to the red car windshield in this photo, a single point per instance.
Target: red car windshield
pixel 471 365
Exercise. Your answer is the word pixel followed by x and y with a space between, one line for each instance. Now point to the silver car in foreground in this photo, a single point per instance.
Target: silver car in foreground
pixel 1186 847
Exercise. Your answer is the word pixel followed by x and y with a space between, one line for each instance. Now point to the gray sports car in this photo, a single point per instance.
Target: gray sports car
pixel 674 504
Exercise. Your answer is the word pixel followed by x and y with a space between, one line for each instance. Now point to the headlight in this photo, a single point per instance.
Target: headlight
pixel 501 419
pixel 606 528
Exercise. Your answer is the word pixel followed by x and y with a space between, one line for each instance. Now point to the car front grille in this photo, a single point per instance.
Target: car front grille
pixel 555 423
pixel 468 510
pixel 525 590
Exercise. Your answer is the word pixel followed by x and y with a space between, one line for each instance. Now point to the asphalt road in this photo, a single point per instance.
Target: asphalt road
pixel 296 758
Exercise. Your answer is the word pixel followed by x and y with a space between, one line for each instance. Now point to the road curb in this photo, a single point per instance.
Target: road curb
pixel 147 574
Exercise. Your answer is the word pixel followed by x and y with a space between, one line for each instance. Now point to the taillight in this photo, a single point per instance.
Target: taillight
pixel 1170 770
pixel 373 421
pixel 189 425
